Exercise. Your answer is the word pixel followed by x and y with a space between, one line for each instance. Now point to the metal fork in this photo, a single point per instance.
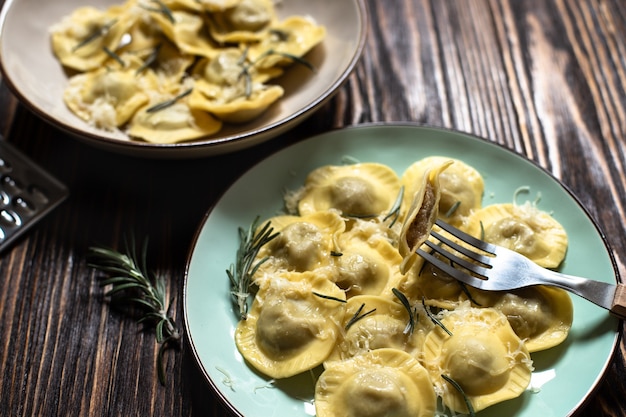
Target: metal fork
pixel 495 268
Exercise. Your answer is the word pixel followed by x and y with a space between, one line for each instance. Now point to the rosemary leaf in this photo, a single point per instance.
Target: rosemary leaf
pixel 453 209
pixel 457 387
pixel 168 103
pixel 292 57
pixel 115 56
pixel 163 9
pixel 358 316
pixel 329 297
pixel 405 302
pixel 151 59
pixel 97 33
pixel 433 318
pixel 394 213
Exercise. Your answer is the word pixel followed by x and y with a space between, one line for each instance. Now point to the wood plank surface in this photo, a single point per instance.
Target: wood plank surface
pixel 546 78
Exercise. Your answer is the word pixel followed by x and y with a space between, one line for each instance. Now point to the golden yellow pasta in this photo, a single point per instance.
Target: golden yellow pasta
pixel 461 187
pixel 377 322
pixel 421 215
pixel 224 51
pixel 292 327
pixel 482 354
pixel 393 333
pixel 304 244
pixel 522 228
pixel 365 265
pixel 362 190
pixel 541 316
pixel 379 383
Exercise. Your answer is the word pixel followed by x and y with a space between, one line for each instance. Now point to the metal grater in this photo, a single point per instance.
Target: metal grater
pixel 27 193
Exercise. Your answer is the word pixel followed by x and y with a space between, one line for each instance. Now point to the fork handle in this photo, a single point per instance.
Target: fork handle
pixel 618 306
pixel 609 296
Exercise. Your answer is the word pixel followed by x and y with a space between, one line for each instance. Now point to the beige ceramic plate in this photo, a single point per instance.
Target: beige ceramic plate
pixel 38 80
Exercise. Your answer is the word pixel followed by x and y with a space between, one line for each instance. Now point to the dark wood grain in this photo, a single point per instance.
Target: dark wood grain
pixel 546 78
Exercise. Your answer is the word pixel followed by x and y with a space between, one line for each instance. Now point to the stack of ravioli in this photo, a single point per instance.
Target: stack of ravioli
pixel 167 71
pixel 342 292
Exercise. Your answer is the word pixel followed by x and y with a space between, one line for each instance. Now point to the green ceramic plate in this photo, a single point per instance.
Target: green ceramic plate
pixel 564 376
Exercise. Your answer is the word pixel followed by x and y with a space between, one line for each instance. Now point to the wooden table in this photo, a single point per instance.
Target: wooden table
pixel 546 78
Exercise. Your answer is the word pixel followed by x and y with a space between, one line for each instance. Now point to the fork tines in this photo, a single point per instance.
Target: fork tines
pixel 465 264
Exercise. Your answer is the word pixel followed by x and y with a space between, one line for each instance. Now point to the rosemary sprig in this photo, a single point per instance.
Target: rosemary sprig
pixel 130 283
pixel 241 273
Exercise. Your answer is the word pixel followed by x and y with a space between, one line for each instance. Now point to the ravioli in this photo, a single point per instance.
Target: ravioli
pixel 81 39
pixel 421 215
pixel 380 383
pixel 187 30
pixel 293 37
pixel 232 103
pixel 365 266
pixel 483 355
pixel 303 244
pixel 246 21
pixel 174 122
pixel 461 187
pixel 541 316
pixel 524 229
pixel 377 322
pixel 292 325
pixel 108 97
pixel 361 190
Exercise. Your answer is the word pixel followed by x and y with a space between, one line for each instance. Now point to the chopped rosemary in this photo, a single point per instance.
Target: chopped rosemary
pixel 241 273
pixel 292 57
pixel 329 297
pixel 359 216
pixel 410 327
pixel 349 160
pixel 434 318
pixel 97 33
pixel 280 34
pixel 335 253
pixel 452 209
pixel 358 316
pixel 457 387
pixel 166 11
pixel 245 69
pixel 151 59
pixel 115 56
pixel 131 283
pixel 168 103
